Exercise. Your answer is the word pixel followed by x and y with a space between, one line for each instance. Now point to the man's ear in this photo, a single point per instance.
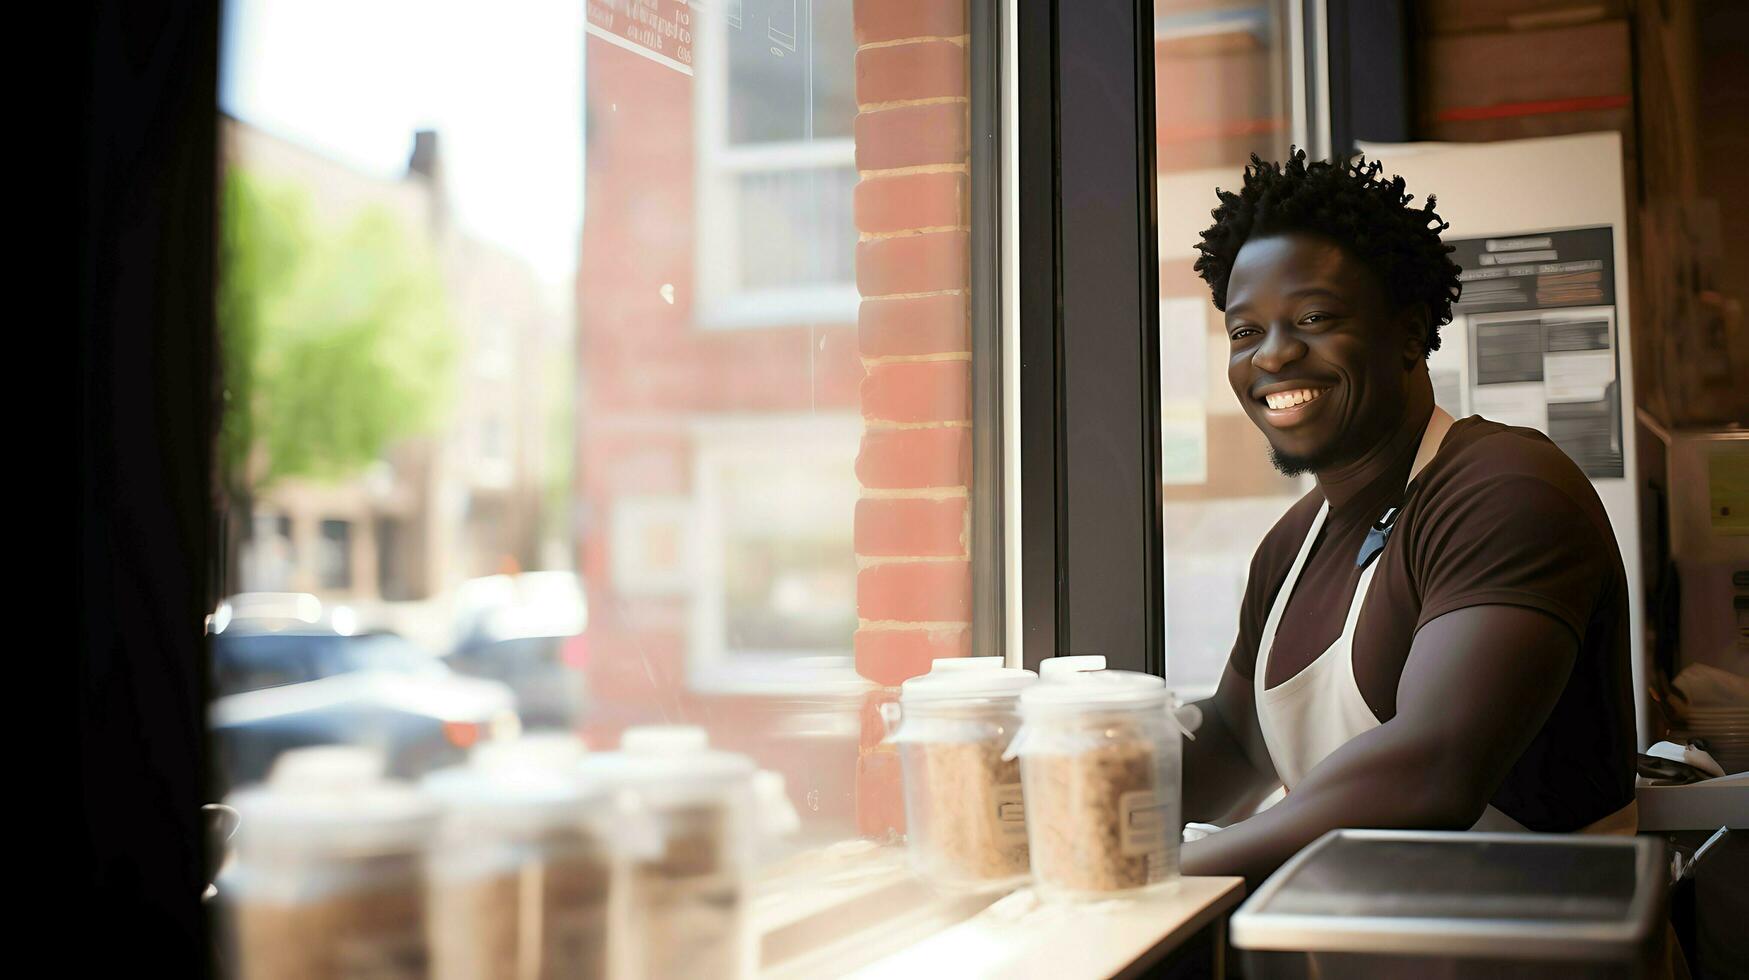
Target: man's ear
pixel 1413 320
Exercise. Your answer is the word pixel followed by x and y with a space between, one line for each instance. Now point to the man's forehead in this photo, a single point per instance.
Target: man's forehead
pixel 1292 261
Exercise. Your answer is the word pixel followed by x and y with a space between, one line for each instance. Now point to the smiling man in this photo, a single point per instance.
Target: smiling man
pixel 1436 636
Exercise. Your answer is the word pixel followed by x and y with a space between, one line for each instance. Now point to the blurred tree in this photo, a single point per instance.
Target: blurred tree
pixel 335 342
pixel 557 456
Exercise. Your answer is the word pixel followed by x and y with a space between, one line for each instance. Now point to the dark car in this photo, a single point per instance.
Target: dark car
pixel 527 631
pixel 245 661
pixel 280 686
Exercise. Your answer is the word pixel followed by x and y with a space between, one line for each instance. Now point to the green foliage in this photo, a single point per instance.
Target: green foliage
pixel 560 445
pixel 336 342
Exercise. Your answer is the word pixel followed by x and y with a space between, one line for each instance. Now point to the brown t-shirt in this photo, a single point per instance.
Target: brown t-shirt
pixel 1500 516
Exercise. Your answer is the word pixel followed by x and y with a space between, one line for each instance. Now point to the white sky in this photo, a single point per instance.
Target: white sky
pixel 501 82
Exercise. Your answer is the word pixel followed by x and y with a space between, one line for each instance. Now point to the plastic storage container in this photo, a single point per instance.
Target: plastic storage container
pixel 1388 903
pixel 326 879
pixel 1100 757
pixel 964 814
pixel 801 717
pixel 519 882
pixel 683 818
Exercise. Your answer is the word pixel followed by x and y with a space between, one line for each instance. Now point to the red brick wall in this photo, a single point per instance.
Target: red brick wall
pixel 648 370
pixel 914 582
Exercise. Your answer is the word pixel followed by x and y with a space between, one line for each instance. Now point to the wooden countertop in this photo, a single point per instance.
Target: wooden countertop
pixel 1018 936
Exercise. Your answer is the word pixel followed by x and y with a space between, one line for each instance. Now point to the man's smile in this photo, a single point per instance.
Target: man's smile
pixel 1288 403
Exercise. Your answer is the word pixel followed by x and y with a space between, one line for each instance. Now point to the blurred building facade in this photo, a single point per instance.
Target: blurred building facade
pixel 467 500
pixel 718 417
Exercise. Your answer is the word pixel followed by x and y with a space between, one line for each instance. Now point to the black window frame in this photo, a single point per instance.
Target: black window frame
pixel 1088 268
pixel 145 415
pixel 1089 473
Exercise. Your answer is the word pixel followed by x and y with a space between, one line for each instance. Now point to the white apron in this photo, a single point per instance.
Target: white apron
pixel 1316 711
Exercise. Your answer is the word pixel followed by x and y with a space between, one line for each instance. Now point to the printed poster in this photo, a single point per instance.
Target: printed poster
pixel 660 30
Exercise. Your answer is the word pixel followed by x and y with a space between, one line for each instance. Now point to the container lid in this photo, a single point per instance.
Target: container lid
pixel 520 783
pixel 520 798
pixel 331 799
pixel 671 756
pixel 1054 667
pixel 941 664
pixel 556 751
pixel 777 815
pixel 1097 689
pixel 1432 893
pixel 966 684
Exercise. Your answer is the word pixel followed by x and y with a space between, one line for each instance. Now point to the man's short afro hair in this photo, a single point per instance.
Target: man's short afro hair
pixel 1353 206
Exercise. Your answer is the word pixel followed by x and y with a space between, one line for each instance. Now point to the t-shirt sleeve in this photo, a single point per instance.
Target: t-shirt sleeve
pixel 1513 539
pixel 1243 659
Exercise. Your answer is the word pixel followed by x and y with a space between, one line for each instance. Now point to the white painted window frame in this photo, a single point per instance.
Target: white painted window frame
pixel 721 305
pixel 719 441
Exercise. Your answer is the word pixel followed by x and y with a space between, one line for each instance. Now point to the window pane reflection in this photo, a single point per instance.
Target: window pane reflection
pixel 1223 92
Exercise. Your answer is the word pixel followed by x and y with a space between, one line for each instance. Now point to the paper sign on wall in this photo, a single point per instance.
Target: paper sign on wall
pixel 660 30
pixel 1540 350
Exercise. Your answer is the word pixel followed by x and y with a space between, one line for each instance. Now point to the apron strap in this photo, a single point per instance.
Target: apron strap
pixel 1282 745
pixel 1273 622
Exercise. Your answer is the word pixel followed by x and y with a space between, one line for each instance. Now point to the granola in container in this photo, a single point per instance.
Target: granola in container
pixel 965 815
pixel 685 825
pixel 519 882
pixel 327 877
pixel 1100 756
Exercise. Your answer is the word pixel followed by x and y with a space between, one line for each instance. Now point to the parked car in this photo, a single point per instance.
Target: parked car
pixel 289 673
pixel 526 631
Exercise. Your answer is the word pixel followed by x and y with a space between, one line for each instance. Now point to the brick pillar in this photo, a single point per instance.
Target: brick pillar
pixel 914 584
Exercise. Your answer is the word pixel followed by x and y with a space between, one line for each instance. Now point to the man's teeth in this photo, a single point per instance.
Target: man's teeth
pixel 1288 399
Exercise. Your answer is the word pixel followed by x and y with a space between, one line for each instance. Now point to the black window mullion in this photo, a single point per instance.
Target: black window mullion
pixel 1043 618
pixel 1090 308
pixel 987 542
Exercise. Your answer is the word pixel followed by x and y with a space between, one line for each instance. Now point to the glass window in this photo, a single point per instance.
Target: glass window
pixel 781 86
pixel 777 164
pixel 780 578
pixel 484 423
pixel 334 560
pixel 1222 71
pixel 391 571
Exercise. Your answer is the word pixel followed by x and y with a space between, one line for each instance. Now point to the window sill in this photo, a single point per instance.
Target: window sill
pixel 835 910
pixel 857 908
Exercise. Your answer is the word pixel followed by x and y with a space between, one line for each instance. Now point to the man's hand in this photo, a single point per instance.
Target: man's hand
pixel 1478 685
pixel 1226 767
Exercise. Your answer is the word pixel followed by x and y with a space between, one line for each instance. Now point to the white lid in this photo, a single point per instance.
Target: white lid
pixel 671 756
pixel 523 798
pixel 1097 689
pixel 963 663
pixel 331 799
pixel 1054 667
pixel 777 815
pixel 664 739
pixel 525 782
pixel 326 767
pixel 557 751
pixel 958 683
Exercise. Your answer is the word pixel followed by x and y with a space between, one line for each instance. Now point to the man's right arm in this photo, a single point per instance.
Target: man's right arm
pixel 1227 771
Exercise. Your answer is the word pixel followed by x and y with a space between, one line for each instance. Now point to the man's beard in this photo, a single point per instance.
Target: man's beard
pixel 1291 465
